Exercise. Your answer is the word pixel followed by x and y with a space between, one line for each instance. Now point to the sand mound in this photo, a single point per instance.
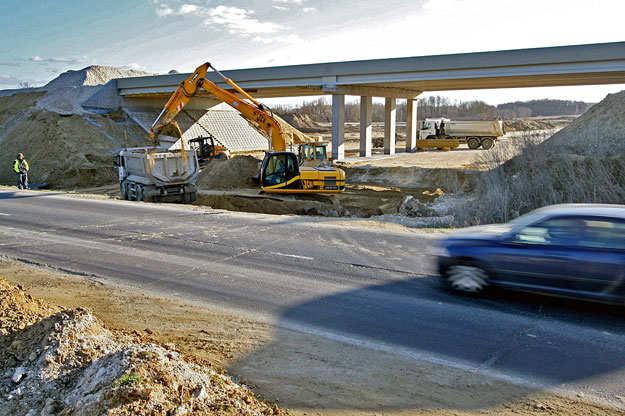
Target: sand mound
pixel 65 151
pixel 301 122
pixel 235 173
pixel 93 75
pixel 65 93
pixel 599 131
pixel 527 125
pixel 66 362
pixel 291 134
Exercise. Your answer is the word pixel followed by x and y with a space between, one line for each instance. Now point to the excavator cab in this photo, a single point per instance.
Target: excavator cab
pixel 280 170
pixel 313 154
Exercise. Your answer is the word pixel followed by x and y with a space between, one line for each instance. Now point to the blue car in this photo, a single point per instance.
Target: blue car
pixel 575 250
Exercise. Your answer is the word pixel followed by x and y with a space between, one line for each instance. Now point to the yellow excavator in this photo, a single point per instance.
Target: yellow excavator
pixel 280 171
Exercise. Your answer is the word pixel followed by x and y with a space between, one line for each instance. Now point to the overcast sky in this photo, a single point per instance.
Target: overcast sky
pixel 42 38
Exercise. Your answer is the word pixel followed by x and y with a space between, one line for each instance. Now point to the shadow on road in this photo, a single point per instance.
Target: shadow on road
pixel 388 347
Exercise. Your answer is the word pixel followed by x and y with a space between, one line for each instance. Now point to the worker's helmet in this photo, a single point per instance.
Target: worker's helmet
pixel 20 155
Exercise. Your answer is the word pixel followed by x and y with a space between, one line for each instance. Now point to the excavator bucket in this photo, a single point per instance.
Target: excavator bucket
pixel 172 130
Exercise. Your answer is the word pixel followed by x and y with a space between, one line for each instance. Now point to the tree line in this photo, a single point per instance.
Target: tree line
pixel 320 109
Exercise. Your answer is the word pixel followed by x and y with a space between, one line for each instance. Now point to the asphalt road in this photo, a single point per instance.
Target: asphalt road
pixel 351 282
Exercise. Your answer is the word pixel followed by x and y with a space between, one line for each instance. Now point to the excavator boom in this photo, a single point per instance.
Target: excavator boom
pixel 280 170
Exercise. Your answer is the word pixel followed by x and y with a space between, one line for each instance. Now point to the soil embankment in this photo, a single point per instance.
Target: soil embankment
pixel 582 163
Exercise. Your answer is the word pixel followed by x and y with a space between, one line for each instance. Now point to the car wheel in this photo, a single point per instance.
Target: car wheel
pixel 467 279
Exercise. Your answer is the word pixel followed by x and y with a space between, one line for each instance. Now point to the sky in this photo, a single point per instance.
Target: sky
pixel 43 38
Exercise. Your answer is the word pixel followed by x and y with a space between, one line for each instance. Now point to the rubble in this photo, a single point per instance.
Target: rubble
pixel 82 368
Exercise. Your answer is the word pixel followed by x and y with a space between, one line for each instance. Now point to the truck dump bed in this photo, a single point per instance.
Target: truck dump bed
pixel 491 128
pixel 159 166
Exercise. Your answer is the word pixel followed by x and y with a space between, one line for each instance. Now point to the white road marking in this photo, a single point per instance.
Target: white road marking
pixel 293 256
pixel 6 215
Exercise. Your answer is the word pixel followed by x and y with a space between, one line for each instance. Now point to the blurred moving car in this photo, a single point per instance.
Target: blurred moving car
pixel 573 250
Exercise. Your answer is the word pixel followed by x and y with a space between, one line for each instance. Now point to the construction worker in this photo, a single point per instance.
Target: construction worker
pixel 20 166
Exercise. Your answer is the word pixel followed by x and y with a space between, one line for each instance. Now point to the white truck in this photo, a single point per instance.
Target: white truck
pixel 155 174
pixel 473 133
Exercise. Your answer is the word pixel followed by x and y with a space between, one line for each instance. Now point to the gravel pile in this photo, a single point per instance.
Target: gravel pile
pixel 65 362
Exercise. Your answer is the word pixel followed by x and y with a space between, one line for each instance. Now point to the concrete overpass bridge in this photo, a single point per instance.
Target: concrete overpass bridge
pixel 397 78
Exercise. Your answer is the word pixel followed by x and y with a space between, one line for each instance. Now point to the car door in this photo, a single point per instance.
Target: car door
pixel 537 256
pixel 599 264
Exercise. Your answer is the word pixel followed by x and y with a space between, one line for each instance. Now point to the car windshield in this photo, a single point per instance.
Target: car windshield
pixel 526 219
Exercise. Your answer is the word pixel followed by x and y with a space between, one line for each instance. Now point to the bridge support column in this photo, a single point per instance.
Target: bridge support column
pixel 366 118
pixel 338 126
pixel 390 116
pixel 411 125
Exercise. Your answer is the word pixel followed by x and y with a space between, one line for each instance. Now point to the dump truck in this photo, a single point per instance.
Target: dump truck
pixel 474 133
pixel 155 174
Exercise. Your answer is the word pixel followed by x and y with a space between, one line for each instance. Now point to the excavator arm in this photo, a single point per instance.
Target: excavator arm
pixel 190 87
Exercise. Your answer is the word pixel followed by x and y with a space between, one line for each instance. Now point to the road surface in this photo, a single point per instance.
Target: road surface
pixel 366 286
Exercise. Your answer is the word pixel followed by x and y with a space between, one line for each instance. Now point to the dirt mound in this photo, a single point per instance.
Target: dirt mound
pixel 65 93
pixel 66 362
pixel 599 131
pixel 582 163
pixel 301 122
pixel 93 75
pixel 65 151
pixel 291 134
pixel 527 125
pixel 235 173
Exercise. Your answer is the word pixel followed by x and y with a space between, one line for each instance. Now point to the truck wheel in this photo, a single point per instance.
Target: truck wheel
pixel 430 137
pixel 123 190
pixel 473 142
pixel 139 193
pixel 487 143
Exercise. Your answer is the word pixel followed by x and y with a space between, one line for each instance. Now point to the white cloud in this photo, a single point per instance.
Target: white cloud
pixel 69 60
pixel 239 21
pixel 188 8
pixel 164 10
pixel 309 9
pixel 280 8
pixel 290 1
pixel 291 39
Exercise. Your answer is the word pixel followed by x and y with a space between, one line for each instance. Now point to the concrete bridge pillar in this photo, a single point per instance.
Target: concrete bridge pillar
pixel 411 125
pixel 366 118
pixel 338 126
pixel 390 116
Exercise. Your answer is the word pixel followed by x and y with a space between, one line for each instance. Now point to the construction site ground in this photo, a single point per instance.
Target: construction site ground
pixel 375 186
pixel 329 378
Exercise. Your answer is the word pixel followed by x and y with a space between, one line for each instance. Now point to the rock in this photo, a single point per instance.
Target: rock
pixel 169 346
pixel 32 356
pixel 580 394
pixel 19 374
pixel 181 411
pixel 412 207
pixel 48 408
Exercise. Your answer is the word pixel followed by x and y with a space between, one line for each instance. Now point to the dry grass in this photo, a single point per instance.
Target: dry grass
pixel 543 172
